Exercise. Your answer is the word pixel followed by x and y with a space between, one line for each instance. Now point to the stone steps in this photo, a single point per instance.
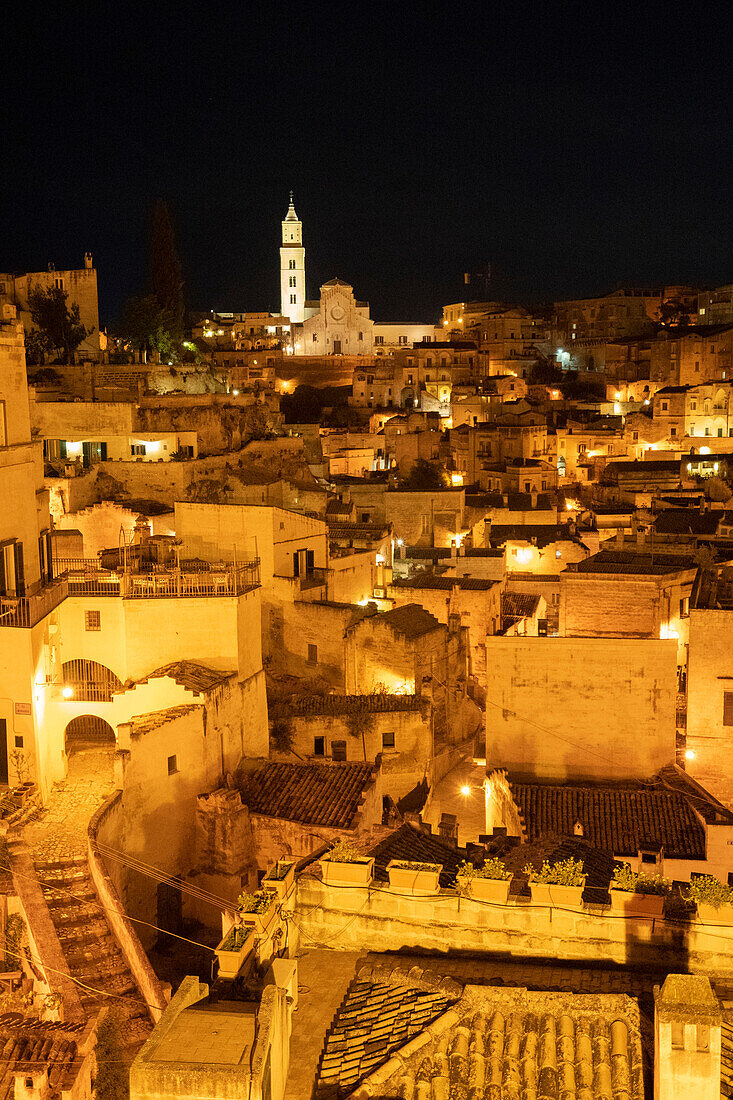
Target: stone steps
pixel 92 953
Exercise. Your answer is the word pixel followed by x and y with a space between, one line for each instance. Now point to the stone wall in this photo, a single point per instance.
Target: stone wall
pixel 103 827
pixel 376 919
pixel 588 708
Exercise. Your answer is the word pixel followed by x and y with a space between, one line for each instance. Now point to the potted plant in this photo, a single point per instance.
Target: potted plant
pixel 488 883
pixel 560 883
pixel 714 899
pixel 409 877
pixel 280 878
pixel 638 895
pixel 257 910
pixel 233 950
pixel 346 865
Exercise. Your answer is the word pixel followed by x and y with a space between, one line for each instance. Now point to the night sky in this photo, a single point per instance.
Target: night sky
pixel 574 149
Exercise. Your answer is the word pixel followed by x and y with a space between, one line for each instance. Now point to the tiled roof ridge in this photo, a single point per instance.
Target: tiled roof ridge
pixel 143 723
pixel 194 676
pixel 378 702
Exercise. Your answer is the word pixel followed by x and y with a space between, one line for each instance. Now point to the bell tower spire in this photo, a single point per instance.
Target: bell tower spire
pixel 292 267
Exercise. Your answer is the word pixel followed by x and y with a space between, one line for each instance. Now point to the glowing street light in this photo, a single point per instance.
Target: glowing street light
pixel 67 692
pixel 465 790
pixel 689 754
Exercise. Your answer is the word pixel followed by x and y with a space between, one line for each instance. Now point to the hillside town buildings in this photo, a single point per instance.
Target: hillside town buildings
pixel 346 676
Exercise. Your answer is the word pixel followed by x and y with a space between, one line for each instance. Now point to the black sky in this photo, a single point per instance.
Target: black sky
pixel 572 147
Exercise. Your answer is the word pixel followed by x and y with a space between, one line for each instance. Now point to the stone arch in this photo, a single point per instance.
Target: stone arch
pixel 88 731
pixel 90 681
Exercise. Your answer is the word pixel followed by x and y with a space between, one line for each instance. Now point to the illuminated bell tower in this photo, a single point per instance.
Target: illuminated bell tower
pixel 292 267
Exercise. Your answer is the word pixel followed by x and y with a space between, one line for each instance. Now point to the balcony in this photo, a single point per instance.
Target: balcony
pixel 204 579
pixel 26 611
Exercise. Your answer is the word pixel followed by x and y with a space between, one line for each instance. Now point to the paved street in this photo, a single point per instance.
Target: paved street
pixel 60 829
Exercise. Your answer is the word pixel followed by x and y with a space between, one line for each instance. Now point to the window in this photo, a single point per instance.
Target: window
pixel 18 741
pixel 425 524
pixel 172 765
pixel 291 265
pixel 402 340
pixel 678 1035
pixel 315 337
pixel 673 432
pixel 684 607
pixel 292 299
pixel 338 750
pixel 728 708
pixel 138 449
pixel 292 280
pixel 388 740
pixel 92 620
pixel 312 654
pixel 319 746
pixel 665 406
pixel 703 1036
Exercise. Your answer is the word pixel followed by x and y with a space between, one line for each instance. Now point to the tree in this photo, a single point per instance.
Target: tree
pixel 673 312
pixel 425 476
pixel 112 1082
pixel 60 328
pixel 146 327
pixel 166 282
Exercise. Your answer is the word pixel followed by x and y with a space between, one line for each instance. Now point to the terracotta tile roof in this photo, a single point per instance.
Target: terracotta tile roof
pixel 374 1019
pixel 514 1043
pixel 411 621
pixel 337 529
pixel 319 794
pixel 429 580
pixel 192 675
pixel 30 1044
pixel 410 843
pixel 518 605
pixel 684 521
pixel 342 704
pixel 635 564
pixel 618 819
pixel 141 724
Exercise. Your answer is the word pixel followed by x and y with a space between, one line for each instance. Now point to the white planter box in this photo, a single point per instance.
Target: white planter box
pixel 708 914
pixel 564 897
pixel 281 886
pixel 261 922
pixel 359 873
pixel 636 905
pixel 231 958
pixel 486 889
pixel 420 881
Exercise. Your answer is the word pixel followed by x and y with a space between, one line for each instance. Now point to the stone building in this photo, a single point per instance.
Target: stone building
pixel 80 284
pixel 337 324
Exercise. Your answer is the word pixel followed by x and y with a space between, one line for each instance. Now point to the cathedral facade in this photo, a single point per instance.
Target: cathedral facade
pixel 335 324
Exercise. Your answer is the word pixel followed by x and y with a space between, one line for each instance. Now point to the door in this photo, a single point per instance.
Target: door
pixel 3 751
pixel 337 347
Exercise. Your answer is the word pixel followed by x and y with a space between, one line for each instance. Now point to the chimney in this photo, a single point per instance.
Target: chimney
pixel 687 1027
pixel 88 261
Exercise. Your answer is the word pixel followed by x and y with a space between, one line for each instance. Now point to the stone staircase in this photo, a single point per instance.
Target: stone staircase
pixel 92 953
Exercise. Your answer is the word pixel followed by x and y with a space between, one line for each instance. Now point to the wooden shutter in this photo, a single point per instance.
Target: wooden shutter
pixel 19 569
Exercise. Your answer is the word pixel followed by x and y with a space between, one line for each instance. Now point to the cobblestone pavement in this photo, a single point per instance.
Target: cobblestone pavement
pixel 57 838
pixel 60 829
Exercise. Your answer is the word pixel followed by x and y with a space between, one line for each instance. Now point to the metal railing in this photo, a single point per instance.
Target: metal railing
pixel 26 611
pixel 85 578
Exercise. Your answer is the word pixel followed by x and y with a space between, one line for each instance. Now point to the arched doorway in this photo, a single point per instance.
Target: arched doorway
pixel 90 681
pixel 88 731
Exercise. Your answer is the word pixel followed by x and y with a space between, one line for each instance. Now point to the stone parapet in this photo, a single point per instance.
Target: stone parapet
pixel 377 919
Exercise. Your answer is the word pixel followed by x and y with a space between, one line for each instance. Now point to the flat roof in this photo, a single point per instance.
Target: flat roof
pixel 220 1033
